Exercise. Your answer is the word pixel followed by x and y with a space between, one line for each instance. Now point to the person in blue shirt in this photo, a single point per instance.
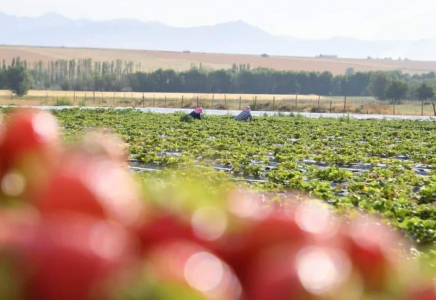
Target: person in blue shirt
pixel 245 115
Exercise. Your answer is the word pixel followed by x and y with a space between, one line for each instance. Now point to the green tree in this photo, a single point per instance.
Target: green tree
pixel 3 80
pixel 194 80
pixel 355 85
pixel 304 83
pixel 219 81
pixel 424 92
pixel 397 90
pixel 324 83
pixel 378 84
pixel 349 71
pixel 18 80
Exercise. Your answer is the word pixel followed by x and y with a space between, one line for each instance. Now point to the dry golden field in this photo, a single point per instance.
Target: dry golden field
pixel 89 98
pixel 89 95
pixel 152 60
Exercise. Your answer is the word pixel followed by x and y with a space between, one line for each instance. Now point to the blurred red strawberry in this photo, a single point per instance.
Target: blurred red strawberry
pixel 27 132
pixel 68 256
pixel 428 293
pixel 183 270
pixel 288 273
pixel 372 247
pixel 164 228
pixel 29 150
pixel 97 187
pixel 300 226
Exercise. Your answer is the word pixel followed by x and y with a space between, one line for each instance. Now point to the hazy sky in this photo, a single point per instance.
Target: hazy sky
pixel 365 19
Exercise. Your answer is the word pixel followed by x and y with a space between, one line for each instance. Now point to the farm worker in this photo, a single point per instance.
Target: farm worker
pixel 196 114
pixel 245 115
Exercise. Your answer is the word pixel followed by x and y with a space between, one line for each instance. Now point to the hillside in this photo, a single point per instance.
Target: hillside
pixel 152 60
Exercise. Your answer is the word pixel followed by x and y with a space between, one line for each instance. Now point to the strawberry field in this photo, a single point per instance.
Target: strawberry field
pixel 378 166
pixel 281 208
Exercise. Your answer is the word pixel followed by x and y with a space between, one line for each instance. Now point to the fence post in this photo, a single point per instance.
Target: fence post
pixel 93 93
pixel 318 100
pixel 422 107
pixel 143 100
pixel 102 96
pixel 124 98
pixel 113 100
pixel 165 101
pixel 225 101
pixel 345 104
pixel 296 102
pixel 274 103
pixel 74 97
pixel 434 109
pixel 330 106
pixel 393 110
pixel 213 96
pixel 240 100
pixel 154 98
pixel 182 102
pixel 255 102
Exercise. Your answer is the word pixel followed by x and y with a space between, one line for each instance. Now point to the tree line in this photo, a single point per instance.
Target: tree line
pixel 119 75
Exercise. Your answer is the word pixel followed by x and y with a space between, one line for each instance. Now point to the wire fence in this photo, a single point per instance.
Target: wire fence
pixel 297 103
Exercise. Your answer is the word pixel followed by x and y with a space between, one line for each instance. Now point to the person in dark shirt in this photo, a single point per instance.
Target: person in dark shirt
pixel 196 114
pixel 245 115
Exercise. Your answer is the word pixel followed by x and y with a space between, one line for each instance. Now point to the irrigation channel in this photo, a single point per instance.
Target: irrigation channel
pixel 137 166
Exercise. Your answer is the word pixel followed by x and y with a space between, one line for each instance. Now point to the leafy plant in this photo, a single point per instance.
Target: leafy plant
pixel 186 118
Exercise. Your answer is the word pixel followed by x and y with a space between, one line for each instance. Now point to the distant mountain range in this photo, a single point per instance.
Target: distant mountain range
pixel 233 37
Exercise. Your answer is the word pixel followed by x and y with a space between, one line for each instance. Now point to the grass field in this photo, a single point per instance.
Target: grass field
pixel 152 60
pixel 302 103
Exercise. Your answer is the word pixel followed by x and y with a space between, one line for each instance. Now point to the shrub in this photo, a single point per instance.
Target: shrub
pixel 315 110
pixel 19 80
pixel 63 102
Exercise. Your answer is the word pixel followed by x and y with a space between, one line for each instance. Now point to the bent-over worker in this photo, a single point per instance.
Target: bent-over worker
pixel 196 114
pixel 245 115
